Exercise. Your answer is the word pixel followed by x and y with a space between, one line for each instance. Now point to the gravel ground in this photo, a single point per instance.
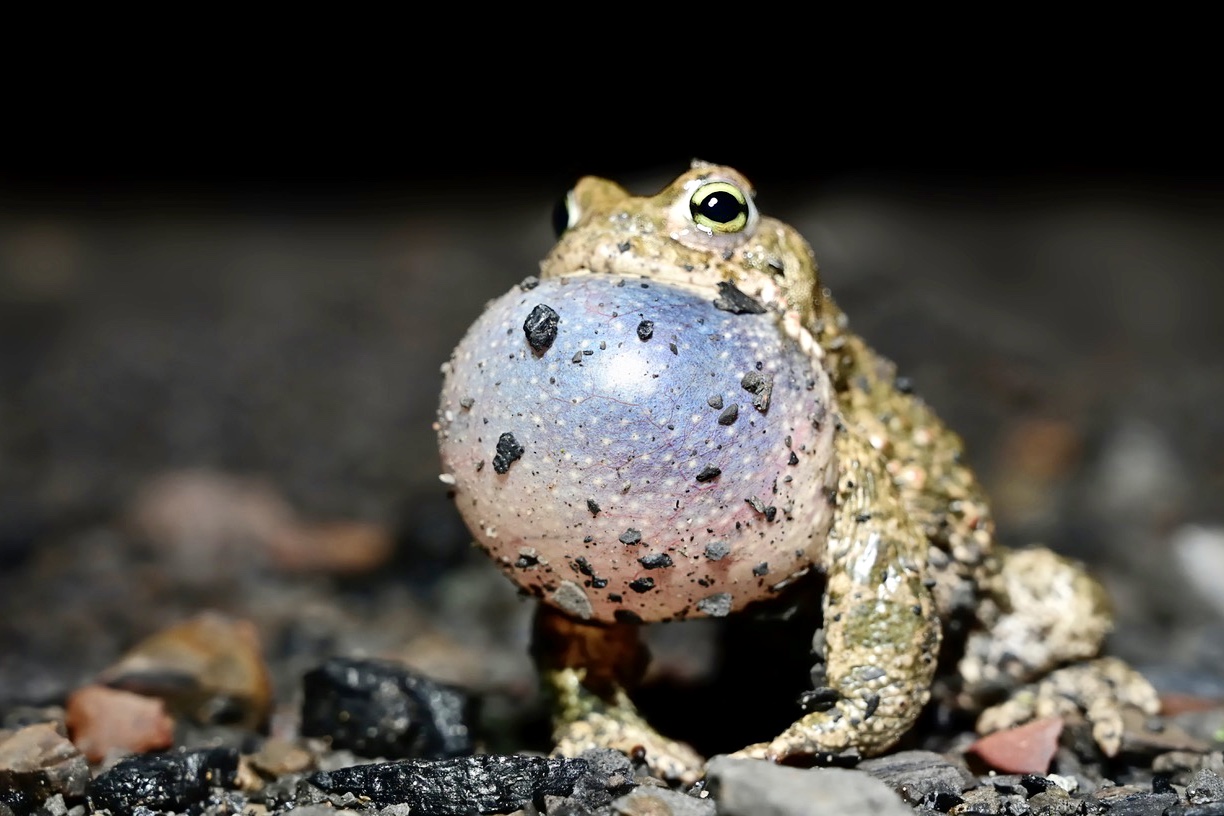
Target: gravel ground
pixel 167 364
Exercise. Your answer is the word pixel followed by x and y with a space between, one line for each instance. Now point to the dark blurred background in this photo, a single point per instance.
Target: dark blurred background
pixel 281 312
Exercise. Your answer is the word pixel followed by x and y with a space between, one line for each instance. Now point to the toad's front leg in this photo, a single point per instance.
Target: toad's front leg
pixel 881 629
pixel 586 669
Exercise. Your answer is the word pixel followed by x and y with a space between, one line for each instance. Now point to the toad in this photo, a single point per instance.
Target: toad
pixel 674 420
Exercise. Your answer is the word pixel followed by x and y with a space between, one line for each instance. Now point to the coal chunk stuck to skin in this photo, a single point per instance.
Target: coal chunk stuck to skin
pixel 733 300
pixel 541 328
pixel 381 709
pixel 482 784
pixel 164 782
pixel 761 388
pixel 508 452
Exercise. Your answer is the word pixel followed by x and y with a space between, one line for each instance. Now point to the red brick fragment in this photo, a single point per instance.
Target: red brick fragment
pixel 107 722
pixel 1027 748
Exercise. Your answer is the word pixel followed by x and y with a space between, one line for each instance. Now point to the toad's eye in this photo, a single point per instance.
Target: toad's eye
pixel 565 213
pixel 719 207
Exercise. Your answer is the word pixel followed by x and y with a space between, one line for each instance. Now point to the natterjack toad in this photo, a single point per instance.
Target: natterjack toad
pixel 674 421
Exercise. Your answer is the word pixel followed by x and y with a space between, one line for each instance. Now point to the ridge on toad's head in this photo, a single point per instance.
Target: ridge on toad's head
pixel 701 229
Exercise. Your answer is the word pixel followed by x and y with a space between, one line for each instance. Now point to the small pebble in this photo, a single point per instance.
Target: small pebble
pixel 750 787
pixel 1027 748
pixel 111 722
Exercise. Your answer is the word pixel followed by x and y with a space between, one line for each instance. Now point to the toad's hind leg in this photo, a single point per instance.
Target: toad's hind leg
pixel 881 628
pixel 586 669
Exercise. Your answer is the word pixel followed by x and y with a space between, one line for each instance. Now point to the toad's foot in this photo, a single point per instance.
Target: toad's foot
pixel 881 631
pixel 1042 611
pixel 1100 690
pixel 587 721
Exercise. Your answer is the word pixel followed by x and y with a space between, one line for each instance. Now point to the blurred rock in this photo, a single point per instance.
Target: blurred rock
pixel 209 669
pixel 163 782
pixel 381 709
pixel 1200 554
pixel 1138 475
pixel 210 526
pixel 37 762
pixel 334 547
pixel 1147 736
pixel 751 787
pixel 105 722
pixel 661 802
pixel 1025 749
pixel 1173 704
pixel 277 756
pixel 214 526
pixel 21 716
pixel 1034 455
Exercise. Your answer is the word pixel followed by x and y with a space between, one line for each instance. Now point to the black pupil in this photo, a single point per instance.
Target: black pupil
pixel 721 208
pixel 560 216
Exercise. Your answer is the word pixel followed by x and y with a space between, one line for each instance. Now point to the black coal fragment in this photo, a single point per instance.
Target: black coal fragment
pixel 733 300
pixel 631 536
pixel 541 328
pixel 593 506
pixel 171 781
pixel 760 386
pixel 717 550
pixel 642 584
pixel 509 451
pixel 655 560
pixel 484 784
pixel 381 709
pixel 645 330
pixel 729 415
pixel 708 473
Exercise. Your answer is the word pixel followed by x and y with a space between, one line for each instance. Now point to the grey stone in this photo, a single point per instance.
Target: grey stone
pixel 749 787
pixel 37 762
pixel 1131 800
pixel 54 806
pixel 919 776
pixel 1054 801
pixel 1205 787
pixel 661 802
pixel 989 799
